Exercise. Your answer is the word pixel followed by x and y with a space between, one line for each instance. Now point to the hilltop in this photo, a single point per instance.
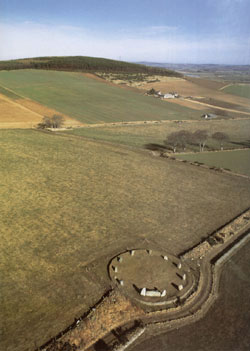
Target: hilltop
pixel 84 64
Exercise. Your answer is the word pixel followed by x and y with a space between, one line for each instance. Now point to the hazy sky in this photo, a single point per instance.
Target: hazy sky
pixel 176 31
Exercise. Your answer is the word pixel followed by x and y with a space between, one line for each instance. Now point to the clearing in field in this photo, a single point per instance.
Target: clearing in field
pixel 236 160
pixel 70 204
pixel 89 100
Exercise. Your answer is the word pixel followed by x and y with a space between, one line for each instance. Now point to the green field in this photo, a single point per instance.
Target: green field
pixel 69 204
pixel 141 134
pixel 237 160
pixel 242 90
pixel 89 100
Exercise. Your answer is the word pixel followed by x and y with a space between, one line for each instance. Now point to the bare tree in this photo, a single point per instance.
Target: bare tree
pixel 220 137
pixel 185 137
pixel 200 137
pixel 180 138
pixel 172 141
pixel 56 121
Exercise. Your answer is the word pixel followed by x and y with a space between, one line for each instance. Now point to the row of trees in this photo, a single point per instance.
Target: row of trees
pixel 56 121
pixel 183 138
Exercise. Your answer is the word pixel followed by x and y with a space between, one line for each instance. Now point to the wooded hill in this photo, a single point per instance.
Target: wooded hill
pixel 84 64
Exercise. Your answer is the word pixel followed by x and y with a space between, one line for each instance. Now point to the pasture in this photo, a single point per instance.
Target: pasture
pixel 145 133
pixel 242 90
pixel 70 204
pixel 90 100
pixel 236 160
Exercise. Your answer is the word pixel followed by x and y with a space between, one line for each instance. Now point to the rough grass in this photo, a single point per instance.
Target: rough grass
pixel 242 90
pixel 89 100
pixel 68 203
pixel 236 160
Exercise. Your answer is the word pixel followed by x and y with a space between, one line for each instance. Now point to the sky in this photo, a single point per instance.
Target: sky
pixel 172 31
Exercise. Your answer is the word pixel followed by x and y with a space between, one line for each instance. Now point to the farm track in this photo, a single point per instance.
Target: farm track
pixel 135 123
pixel 225 86
pixel 218 107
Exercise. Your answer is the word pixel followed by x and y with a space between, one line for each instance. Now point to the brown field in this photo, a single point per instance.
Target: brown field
pixel 198 88
pixel 14 115
pixel 25 113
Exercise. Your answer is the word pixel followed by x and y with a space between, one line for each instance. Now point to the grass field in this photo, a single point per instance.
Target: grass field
pixel 69 204
pixel 141 134
pixel 89 100
pixel 242 90
pixel 236 160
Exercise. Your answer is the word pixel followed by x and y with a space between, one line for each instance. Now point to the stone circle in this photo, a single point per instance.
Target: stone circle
pixel 151 277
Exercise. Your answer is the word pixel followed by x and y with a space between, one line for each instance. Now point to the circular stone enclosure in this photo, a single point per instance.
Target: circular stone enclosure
pixel 151 277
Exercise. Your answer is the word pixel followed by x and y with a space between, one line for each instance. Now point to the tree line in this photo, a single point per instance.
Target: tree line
pixel 200 137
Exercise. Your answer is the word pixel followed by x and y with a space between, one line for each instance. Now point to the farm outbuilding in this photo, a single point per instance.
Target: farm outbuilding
pixel 170 96
pixel 208 116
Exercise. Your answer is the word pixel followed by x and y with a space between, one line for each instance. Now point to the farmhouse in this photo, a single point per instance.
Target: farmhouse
pixel 170 96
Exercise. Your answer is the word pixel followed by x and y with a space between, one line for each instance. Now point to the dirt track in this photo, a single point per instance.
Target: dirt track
pixel 217 107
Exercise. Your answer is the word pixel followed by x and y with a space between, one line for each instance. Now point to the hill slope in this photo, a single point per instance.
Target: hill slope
pixel 89 100
pixel 84 64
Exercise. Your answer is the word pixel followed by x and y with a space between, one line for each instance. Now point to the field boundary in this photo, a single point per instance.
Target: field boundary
pixel 211 168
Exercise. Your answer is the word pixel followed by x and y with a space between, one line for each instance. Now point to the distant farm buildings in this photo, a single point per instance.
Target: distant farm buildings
pixel 159 94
